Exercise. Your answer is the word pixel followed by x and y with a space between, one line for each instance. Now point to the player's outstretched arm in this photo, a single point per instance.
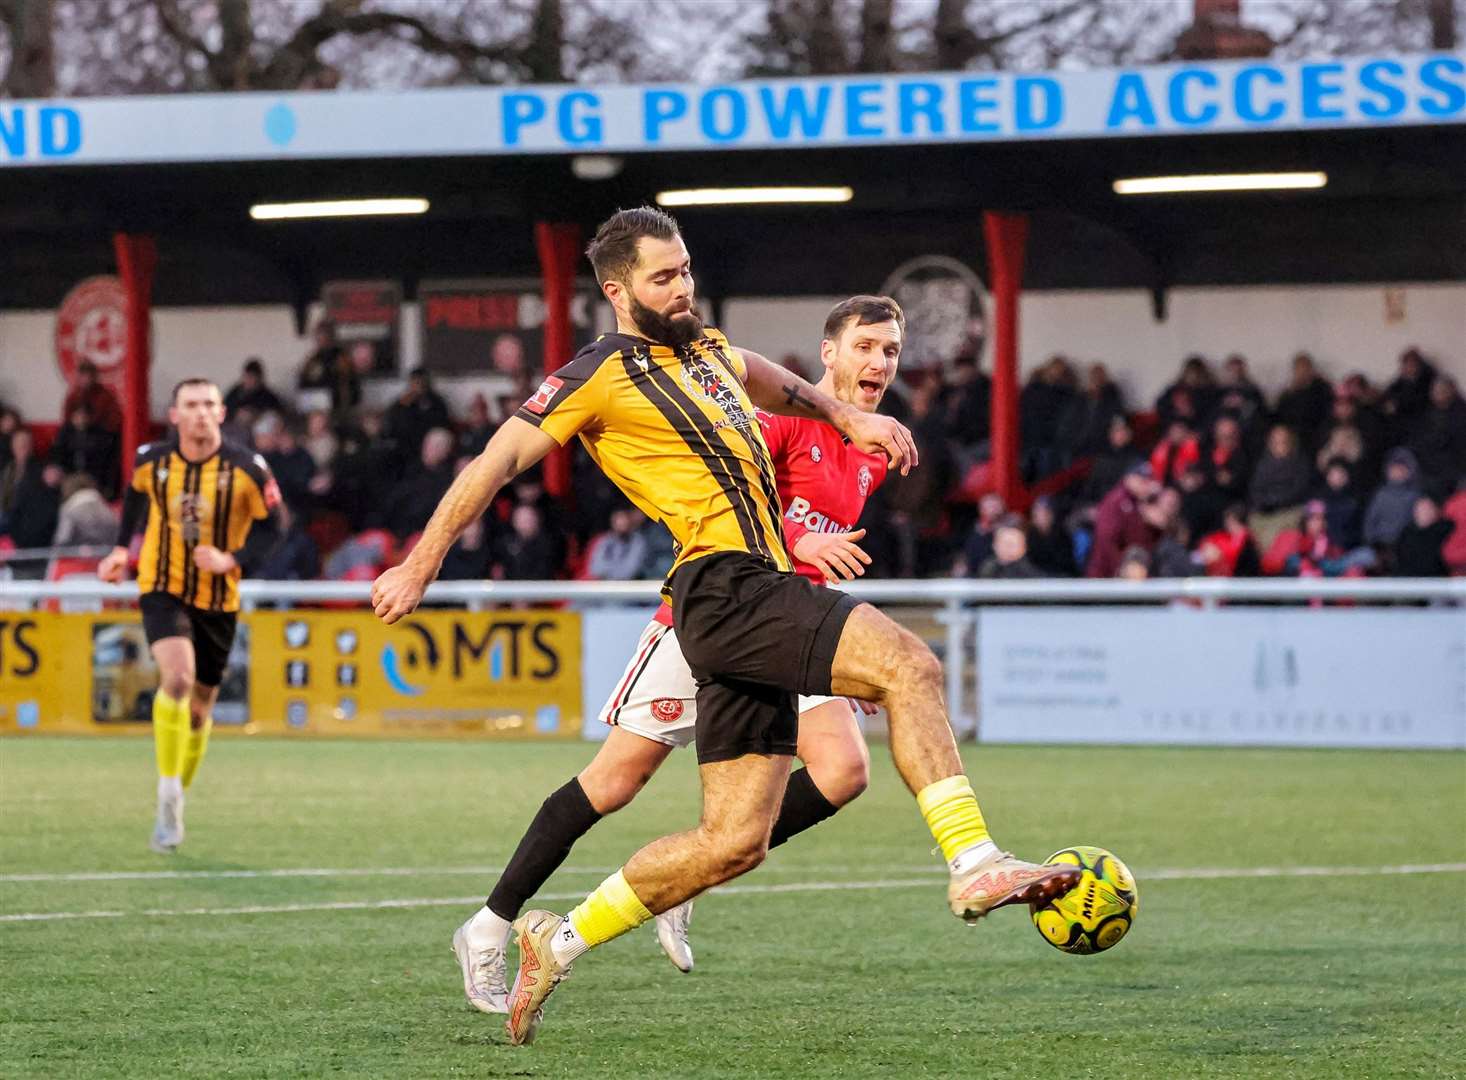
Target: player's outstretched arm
pixel 776 389
pixel 515 447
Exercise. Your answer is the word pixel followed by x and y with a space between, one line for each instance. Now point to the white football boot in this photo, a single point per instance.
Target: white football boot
pixel 168 828
pixel 483 970
pixel 672 933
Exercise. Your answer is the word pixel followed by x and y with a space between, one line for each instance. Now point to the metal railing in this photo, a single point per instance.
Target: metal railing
pixel 956 599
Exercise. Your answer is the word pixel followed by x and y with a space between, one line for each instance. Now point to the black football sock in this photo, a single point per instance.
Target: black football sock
pixel 564 818
pixel 803 806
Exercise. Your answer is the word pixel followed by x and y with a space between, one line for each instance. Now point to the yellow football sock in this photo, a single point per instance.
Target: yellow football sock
pixel 612 910
pixel 170 731
pixel 952 814
pixel 195 745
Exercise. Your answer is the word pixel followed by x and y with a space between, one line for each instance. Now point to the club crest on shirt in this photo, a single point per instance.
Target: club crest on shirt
pixel 814 454
pixel 190 515
pixel 703 380
pixel 863 479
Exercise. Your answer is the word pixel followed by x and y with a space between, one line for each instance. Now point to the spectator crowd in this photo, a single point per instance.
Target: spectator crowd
pixel 1217 478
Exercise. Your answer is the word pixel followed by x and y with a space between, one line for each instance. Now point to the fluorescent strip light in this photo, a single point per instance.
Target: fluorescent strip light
pixel 733 196
pixel 1166 185
pixel 337 208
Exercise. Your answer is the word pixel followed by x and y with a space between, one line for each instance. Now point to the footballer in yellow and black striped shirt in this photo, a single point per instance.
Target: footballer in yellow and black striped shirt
pixel 665 407
pixel 208 508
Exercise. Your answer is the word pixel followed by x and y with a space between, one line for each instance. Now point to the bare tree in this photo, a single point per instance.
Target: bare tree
pixel 1443 23
pixel 31 72
pixel 84 47
pixel 135 46
pixel 877 37
pixel 1330 28
pixel 801 37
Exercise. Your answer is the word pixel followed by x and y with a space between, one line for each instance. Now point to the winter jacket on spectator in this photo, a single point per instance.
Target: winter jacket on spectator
pixel 329 368
pixel 1051 549
pixel 1419 551
pixel 294 558
pixel 416 412
pixel 293 468
pixel 1304 406
pixel 1344 514
pixel 1192 397
pixel 523 554
pixel 994 569
pixel 413 499
pixel 258 399
pixel 966 413
pixel 88 448
pixel 614 557
pixel 1408 394
pixel 1391 508
pixel 1238 394
pixel 1229 553
pixel 1040 405
pixel 85 518
pixel 1202 503
pixel 1438 438
pixel 471 558
pixel 1280 482
pixel 99 401
pixel 1171 559
pixel 977 549
pixel 1112 463
pixel 1084 424
pixel 1170 458
pixel 31 521
pixel 366 463
pixel 1118 524
pixel 1227 465
pixel 18 463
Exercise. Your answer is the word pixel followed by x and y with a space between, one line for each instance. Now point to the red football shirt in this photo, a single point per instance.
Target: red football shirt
pixel 823 481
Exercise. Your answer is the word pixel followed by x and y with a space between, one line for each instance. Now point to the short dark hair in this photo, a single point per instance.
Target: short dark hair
pixel 865 310
pixel 613 251
pixel 197 380
pixel 252 366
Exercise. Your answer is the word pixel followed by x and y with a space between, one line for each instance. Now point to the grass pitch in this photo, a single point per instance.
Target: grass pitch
pixel 838 960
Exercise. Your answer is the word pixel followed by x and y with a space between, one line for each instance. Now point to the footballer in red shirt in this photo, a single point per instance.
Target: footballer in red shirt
pixel 823 483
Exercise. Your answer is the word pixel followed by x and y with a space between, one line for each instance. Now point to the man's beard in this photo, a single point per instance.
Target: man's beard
pixel 682 329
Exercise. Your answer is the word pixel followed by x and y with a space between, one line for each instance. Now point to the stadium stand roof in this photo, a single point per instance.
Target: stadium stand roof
pixel 1394 207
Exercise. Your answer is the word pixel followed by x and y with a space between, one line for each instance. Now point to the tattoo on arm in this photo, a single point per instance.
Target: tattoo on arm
pixel 794 396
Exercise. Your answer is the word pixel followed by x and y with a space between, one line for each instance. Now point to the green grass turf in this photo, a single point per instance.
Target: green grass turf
pixel 1301 977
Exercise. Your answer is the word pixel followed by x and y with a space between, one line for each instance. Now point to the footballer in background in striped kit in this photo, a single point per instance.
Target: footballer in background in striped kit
pixel 208 508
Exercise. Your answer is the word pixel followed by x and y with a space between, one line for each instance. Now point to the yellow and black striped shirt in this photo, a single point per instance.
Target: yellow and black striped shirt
pixel 674 430
pixel 214 501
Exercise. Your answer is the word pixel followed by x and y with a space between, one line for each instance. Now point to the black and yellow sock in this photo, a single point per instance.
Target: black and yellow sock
pixel 563 818
pixel 951 812
pixel 804 806
pixel 612 910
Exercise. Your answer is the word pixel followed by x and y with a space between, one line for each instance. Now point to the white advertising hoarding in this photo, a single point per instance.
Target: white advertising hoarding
pixel 862 110
pixel 1237 677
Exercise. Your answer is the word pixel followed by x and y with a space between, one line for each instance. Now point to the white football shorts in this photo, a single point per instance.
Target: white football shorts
pixel 656 696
